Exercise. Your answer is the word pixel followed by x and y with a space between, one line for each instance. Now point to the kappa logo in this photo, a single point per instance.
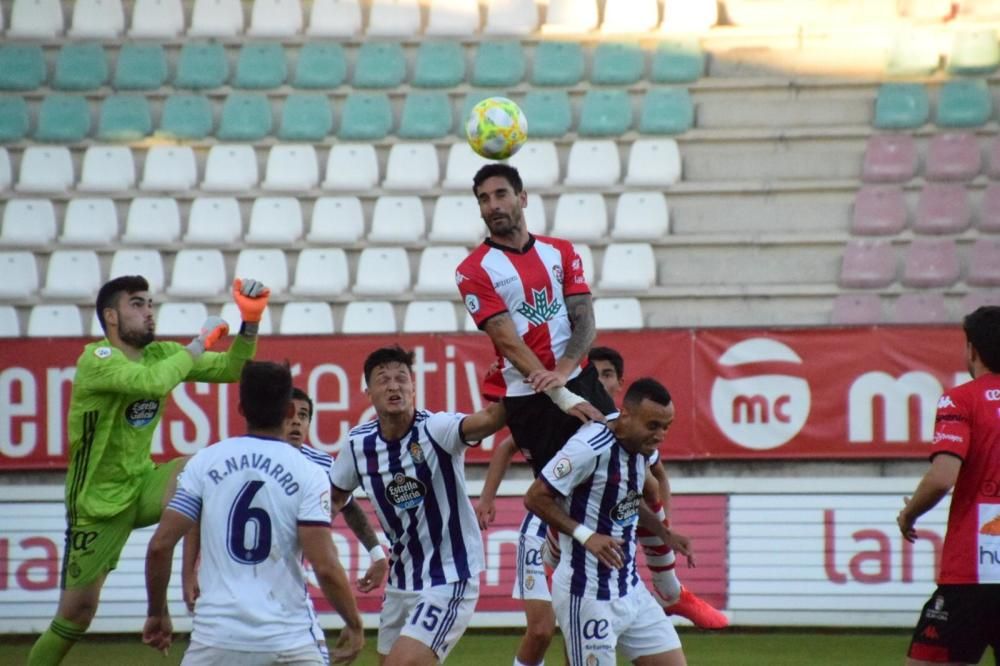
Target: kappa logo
pixel 992 395
pixel 945 401
pixel 459 278
pixel 541 309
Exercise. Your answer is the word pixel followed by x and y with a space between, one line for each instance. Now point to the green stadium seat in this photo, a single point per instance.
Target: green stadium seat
pixel 426 115
pixel 63 118
pixel 366 117
pixel 245 117
pixel 140 67
pixel 471 99
pixel 201 65
pixel 666 111
pixel 617 64
pixel 677 62
pixel 14 119
pixel 80 67
pixel 261 66
pixel 605 113
pixel 22 66
pixel 974 52
pixel 320 65
pixel 901 106
pixel 558 64
pixel 306 118
pixel 439 65
pixel 964 103
pixel 124 118
pixel 498 64
pixel 379 65
pixel 549 113
pixel 186 117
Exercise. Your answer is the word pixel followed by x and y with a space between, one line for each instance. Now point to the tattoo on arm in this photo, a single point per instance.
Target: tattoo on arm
pixel 580 309
pixel 356 520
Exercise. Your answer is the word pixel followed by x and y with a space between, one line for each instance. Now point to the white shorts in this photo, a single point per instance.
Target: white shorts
pixel 634 624
pixel 530 583
pixel 199 654
pixel 436 616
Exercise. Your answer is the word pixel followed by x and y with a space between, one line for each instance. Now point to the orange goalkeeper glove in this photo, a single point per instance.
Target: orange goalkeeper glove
pixel 251 298
pixel 213 330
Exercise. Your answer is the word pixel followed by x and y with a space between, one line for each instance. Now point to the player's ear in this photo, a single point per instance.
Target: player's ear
pixel 110 316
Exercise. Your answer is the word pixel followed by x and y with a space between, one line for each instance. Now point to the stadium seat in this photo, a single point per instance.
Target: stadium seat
pixel 334 18
pixel 426 115
pixel 943 208
pixel 216 18
pixel 306 318
pixel 55 321
pixel 6 173
pixel 920 308
pixel 260 66
pixel 677 62
pixel 22 66
pixel 913 52
pixel 351 167
pixel 412 166
pixel 336 220
pixel 630 16
pixel 430 317
pixel 201 65
pixel 463 163
pixel 37 19
pixel 689 16
pixel 890 158
pixel 993 160
pixel 453 18
pixel 124 118
pixel 245 117
pixel 231 313
pixel 291 168
pixel 140 67
pixel 666 111
pixel 198 274
pixel 152 221
pixel 978 299
pixel 28 223
pixel 617 64
pixel 498 64
pixel 511 17
pixel 398 220
pixel 570 17
pixel 80 67
pixel 382 271
pixel 974 52
pixel 90 222
pixel 320 65
pixel 14 119
pixel 879 210
pixel 267 265
pixel 931 262
pixel 321 272
pixel 628 267
pixel 581 217
pixel 953 156
pixel 393 18
pixel 593 163
pixel 379 65
pixel 558 64
pixel 605 113
pixel 436 273
pixel 537 162
pixel 45 169
pixel 856 309
pixel 439 65
pixel 97 19
pixel 72 274
pixel 275 221
pixel 534 215
pixel 107 169
pixel 901 106
pixel 369 317
pixel 147 263
pixel 230 168
pixel 653 163
pixel 275 18
pixel 989 209
pixel 641 216
pixel 169 168
pixel 63 119
pixel 550 113
pixel 365 117
pixel 618 313
pixel 984 263
pixel 20 273
pixel 186 117
pixel 10 327
pixel 456 221
pixel 180 319
pixel 964 103
pixel 214 221
pixel 162 19
pixel 868 264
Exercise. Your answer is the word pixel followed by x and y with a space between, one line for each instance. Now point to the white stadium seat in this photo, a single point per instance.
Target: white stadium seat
pixel 268 266
pixel 147 263
pixel 90 222
pixel 10 327
pixel 581 217
pixel 231 313
pixel 630 15
pixel 453 18
pixel 641 216
pixel 152 221
pixel 198 273
pixel 593 163
pixel 397 220
pixel 37 19
pixel 689 16
pixel 45 169
pixel 382 271
pixel 28 223
pixel 6 173
pixel 162 19
pixel 617 313
pixel 369 317
pixel 393 18
pixel 107 169
pixel 292 168
pixel 570 16
pixel 628 267
pixel 321 272
pixel 653 163
pixel 275 221
pixel 97 19
pixel 511 17
pixel 55 321
pixel 463 163
pixel 214 221
pixel 351 166
pixel 180 319
pixel 334 18
pixel 20 275
pixel 216 18
pixel 436 274
pixel 537 162
pixel 456 220
pixel 430 317
pixel 412 166
pixel 230 168
pixel 306 318
pixel 275 18
pixel 534 215
pixel 337 220
pixel 169 168
pixel 72 274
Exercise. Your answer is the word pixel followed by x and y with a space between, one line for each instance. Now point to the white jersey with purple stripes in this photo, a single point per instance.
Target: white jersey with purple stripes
pixel 601 486
pixel 251 494
pixel 417 486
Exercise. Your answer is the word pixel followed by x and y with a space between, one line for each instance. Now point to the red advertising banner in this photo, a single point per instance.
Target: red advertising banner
pixel 818 393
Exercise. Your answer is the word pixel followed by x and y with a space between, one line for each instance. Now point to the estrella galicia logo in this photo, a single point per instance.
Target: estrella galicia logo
pixel 541 309
pixel 405 492
pixel 141 412
pixel 596 629
pixel 626 512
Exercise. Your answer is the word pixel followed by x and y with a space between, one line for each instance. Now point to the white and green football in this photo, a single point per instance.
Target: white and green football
pixel 496 128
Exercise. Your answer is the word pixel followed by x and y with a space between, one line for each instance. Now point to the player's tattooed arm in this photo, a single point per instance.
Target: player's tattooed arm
pixel 358 522
pixel 503 333
pixel 580 309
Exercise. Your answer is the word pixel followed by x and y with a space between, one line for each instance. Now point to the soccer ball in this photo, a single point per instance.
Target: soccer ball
pixel 496 128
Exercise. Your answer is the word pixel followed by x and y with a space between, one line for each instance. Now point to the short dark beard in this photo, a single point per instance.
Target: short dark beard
pixel 139 340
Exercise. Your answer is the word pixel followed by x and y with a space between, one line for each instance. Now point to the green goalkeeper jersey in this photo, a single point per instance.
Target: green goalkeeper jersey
pixel 115 407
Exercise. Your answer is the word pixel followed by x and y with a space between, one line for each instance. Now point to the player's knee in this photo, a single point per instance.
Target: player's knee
pixel 81 613
pixel 541 631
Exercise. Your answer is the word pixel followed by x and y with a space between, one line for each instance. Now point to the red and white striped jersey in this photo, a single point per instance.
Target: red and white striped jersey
pixel 531 285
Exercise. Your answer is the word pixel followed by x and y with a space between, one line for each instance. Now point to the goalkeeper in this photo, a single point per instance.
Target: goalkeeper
pixel 112 485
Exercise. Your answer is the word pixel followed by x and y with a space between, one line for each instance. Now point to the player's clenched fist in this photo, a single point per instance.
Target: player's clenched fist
pixel 213 330
pixel 251 298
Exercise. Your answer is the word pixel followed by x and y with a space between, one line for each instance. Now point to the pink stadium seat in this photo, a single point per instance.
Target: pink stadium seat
pixel 993 170
pixel 953 156
pixel 978 299
pixel 868 264
pixel 984 265
pixel 943 208
pixel 989 209
pixel 853 309
pixel 879 210
pixel 931 262
pixel 890 158
pixel 920 308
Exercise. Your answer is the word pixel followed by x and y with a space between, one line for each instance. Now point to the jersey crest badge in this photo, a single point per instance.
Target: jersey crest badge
pixel 541 309
pixel 416 452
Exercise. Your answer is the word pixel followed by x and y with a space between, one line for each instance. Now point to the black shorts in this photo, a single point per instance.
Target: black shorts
pixel 539 428
pixel 957 624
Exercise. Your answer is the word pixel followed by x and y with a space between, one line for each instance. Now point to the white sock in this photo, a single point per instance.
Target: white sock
pixel 518 662
pixel 661 561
